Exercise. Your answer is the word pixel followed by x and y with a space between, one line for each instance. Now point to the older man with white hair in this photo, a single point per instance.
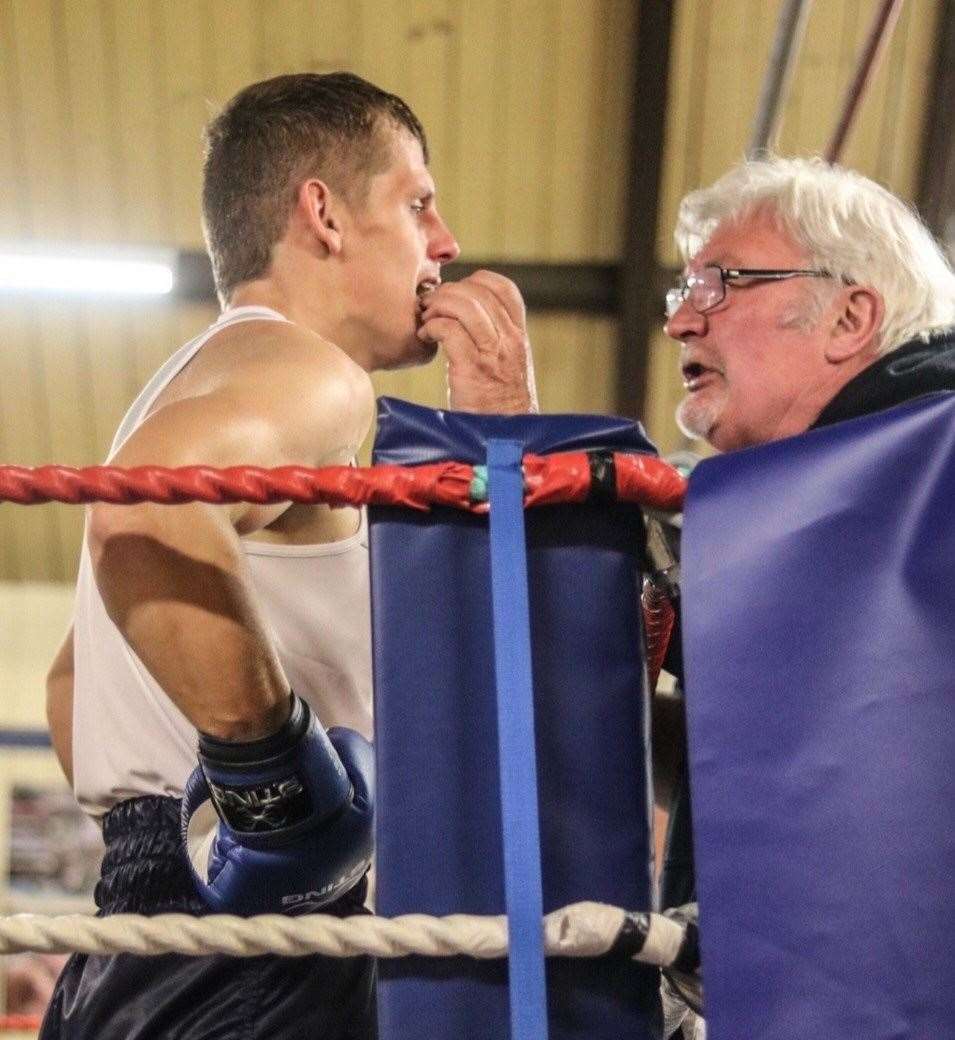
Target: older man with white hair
pixel 810 295
pixel 805 287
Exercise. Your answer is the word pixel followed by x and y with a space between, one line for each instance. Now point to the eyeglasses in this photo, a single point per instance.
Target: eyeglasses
pixel 707 287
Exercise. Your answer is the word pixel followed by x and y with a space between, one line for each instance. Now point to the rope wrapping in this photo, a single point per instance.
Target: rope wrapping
pixel 581 930
pixel 659 617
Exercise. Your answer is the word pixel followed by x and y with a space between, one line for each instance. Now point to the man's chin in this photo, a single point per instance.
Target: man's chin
pixel 695 419
pixel 413 352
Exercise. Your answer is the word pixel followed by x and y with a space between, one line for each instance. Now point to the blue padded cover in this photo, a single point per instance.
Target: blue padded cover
pixel 819 610
pixel 439 845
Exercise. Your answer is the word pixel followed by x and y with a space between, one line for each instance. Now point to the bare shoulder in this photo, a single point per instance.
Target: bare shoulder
pixel 263 393
pixel 315 395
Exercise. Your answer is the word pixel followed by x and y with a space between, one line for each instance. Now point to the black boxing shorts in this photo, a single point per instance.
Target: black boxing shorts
pixel 127 997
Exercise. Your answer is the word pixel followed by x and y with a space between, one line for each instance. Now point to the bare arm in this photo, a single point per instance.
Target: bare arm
pixel 174 579
pixel 174 583
pixel 59 704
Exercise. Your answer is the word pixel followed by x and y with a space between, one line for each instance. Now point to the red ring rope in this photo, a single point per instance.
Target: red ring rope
pixel 19 1023
pixel 641 479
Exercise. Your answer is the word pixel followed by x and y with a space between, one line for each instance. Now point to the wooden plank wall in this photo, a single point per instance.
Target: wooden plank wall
pixel 101 109
pixel 102 104
pixel 33 619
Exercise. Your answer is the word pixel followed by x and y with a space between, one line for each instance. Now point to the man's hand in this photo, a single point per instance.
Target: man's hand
pixel 481 325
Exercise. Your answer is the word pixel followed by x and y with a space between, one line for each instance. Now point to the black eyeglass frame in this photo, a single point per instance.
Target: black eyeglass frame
pixel 679 294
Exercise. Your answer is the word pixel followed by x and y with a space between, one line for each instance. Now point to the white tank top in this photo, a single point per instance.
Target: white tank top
pixel 129 738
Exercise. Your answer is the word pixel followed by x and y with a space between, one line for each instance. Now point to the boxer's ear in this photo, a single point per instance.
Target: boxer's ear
pixel 320 207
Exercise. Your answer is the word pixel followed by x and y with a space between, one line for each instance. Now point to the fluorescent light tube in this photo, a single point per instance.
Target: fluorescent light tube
pixel 50 270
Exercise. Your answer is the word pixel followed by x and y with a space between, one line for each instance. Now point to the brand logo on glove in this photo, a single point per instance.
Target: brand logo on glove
pixel 264 807
pixel 316 899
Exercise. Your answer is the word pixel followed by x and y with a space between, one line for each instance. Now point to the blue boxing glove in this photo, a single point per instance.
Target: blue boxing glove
pixel 296 817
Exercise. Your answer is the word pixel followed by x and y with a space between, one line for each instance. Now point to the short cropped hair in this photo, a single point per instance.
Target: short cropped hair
pixel 850 226
pixel 268 139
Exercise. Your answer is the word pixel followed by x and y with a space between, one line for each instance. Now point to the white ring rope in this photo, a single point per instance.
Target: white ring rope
pixel 580 930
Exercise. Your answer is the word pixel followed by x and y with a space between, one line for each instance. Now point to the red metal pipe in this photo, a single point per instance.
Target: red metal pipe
pixel 881 31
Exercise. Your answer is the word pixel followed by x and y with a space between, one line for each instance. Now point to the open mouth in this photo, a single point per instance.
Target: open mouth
pixel 696 375
pixel 423 290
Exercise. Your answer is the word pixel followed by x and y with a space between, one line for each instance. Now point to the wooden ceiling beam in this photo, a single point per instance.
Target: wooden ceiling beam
pixel 639 305
pixel 936 194
pixel 586 288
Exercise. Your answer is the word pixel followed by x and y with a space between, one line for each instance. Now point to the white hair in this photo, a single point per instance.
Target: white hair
pixel 850 226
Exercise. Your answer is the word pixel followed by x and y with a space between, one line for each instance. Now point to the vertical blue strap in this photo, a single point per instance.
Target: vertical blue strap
pixel 515 736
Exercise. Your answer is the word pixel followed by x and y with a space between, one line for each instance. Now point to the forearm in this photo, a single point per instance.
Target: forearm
pixel 491 392
pixel 175 583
